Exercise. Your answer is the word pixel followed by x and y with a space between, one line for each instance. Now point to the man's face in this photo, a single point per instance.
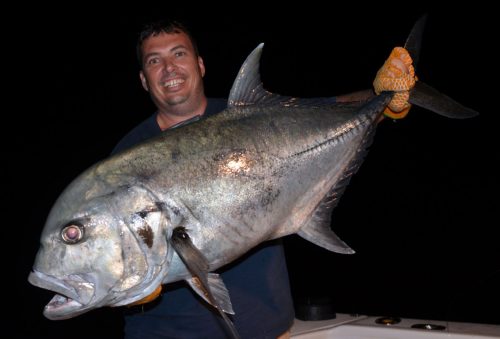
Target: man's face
pixel 171 71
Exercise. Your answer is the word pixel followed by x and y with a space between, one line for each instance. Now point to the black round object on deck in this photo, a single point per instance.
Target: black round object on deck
pixel 314 309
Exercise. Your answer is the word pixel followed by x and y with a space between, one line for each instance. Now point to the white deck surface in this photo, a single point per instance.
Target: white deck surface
pixel 345 326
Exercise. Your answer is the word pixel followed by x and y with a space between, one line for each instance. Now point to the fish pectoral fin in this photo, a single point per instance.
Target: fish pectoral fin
pixel 218 289
pixel 197 264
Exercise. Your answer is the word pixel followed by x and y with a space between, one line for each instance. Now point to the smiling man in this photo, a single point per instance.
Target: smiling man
pixel 172 72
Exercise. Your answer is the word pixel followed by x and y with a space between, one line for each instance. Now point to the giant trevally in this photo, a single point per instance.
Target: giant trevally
pixel 183 204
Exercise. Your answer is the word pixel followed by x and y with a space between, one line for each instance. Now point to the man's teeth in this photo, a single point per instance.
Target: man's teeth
pixel 172 83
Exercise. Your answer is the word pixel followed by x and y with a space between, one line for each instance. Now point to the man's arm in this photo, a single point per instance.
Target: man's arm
pixel 356 96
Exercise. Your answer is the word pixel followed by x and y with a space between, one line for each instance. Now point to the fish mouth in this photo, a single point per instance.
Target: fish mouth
pixel 74 294
pixel 61 307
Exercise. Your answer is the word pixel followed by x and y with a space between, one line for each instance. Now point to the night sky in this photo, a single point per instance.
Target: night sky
pixel 420 213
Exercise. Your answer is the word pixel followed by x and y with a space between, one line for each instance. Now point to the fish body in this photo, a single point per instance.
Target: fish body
pixel 197 197
pixel 246 175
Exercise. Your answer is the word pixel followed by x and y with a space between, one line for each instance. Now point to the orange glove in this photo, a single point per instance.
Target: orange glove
pixel 149 298
pixel 398 75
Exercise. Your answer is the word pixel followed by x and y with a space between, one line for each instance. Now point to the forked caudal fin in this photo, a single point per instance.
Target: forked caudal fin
pixel 430 98
pixel 424 95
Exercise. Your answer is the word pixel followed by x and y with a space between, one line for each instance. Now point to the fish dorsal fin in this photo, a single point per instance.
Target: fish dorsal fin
pixel 248 88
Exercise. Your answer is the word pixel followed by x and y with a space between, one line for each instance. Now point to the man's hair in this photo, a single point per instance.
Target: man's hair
pixel 162 26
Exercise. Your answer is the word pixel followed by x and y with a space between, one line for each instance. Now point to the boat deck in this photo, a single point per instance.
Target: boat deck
pixel 346 326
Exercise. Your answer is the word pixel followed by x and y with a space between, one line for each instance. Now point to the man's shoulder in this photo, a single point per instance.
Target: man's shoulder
pixel 150 128
pixel 215 105
pixel 145 130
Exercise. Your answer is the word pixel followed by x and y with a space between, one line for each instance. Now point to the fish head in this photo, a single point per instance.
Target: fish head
pixel 101 245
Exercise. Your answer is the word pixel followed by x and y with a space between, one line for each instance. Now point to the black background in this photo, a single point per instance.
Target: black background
pixel 420 213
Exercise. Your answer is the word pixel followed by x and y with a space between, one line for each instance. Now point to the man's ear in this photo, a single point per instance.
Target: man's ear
pixel 144 82
pixel 201 65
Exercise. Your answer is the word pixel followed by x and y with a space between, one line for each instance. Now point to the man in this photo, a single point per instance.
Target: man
pixel 172 72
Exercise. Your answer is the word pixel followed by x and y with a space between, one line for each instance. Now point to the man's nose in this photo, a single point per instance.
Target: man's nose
pixel 169 66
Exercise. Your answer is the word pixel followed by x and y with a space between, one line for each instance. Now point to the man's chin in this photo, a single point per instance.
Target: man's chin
pixel 176 100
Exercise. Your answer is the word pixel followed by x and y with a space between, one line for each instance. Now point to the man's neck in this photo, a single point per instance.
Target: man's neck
pixel 167 119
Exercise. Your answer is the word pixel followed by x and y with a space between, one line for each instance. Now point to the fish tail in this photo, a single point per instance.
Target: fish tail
pixel 398 75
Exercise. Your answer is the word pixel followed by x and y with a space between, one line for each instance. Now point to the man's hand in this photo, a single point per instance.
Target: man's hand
pixel 398 75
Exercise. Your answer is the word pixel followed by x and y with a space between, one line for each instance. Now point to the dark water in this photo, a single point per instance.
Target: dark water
pixel 420 213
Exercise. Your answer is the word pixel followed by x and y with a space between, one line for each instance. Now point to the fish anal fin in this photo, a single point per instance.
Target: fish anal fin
pixel 320 233
pixel 318 230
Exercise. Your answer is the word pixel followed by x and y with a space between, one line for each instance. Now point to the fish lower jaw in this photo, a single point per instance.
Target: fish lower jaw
pixel 61 307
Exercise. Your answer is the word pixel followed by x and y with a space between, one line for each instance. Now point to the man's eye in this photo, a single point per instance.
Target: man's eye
pixel 179 54
pixel 152 61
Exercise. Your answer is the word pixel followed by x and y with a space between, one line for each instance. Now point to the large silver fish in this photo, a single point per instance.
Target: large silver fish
pixel 196 198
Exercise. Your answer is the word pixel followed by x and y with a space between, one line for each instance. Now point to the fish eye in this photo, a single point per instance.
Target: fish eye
pixel 72 233
pixel 144 213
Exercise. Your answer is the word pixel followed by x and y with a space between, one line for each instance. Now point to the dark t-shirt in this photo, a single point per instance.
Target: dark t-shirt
pixel 257 283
